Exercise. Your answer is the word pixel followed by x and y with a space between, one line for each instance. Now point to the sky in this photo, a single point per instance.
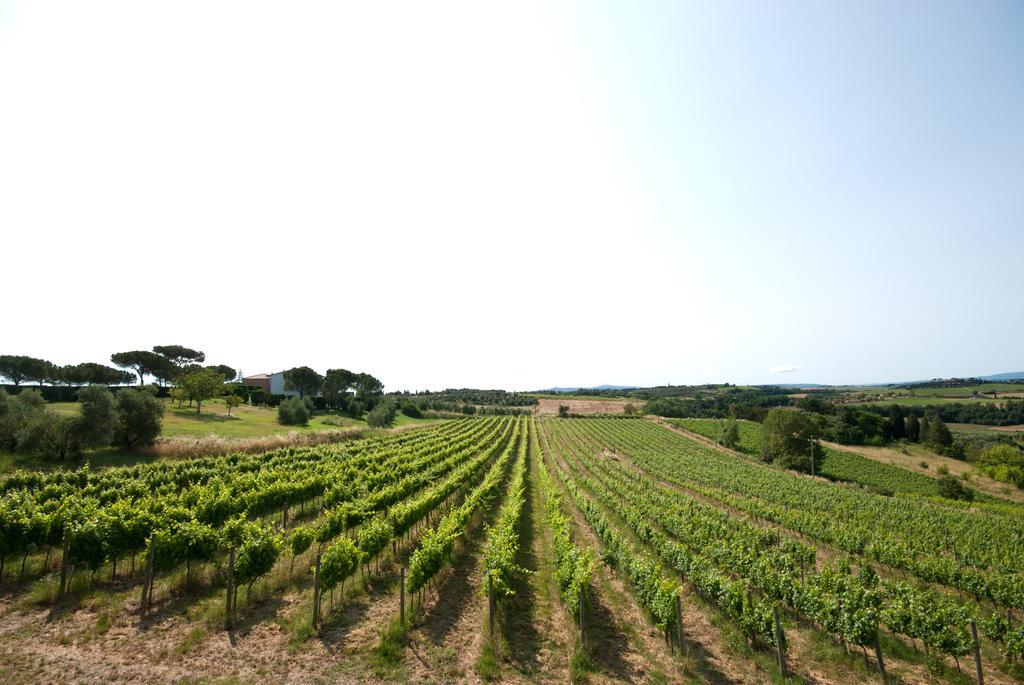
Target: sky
pixel 518 195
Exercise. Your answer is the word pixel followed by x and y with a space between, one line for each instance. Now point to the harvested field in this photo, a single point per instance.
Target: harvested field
pixel 549 407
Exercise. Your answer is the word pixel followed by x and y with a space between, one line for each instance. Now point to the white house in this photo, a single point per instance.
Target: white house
pixel 272 383
pixel 277 385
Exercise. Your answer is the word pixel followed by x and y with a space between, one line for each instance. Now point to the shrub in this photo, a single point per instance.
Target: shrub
pixel 27 427
pixel 383 414
pixel 293 412
pixel 731 433
pixel 951 488
pixel 51 436
pixel 411 410
pixel 1003 462
pixel 1002 454
pixel 99 416
pixel 139 413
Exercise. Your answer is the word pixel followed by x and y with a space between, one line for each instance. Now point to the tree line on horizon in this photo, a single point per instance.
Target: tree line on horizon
pixel 165 363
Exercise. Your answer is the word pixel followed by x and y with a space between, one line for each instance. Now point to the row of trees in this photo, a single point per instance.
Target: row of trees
pixel 18 369
pixel 462 396
pixel 335 385
pixel 792 437
pixel 852 425
pixel 129 419
pixel 166 363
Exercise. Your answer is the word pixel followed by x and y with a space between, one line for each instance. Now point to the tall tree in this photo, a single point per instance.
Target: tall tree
pixel 303 380
pixel 789 439
pixel 224 370
pixel 90 373
pixel 180 355
pixel 180 360
pixel 913 428
pixel 19 368
pixel 939 436
pixel 141 362
pixel 897 428
pixel 202 385
pixel 337 383
pixel 367 387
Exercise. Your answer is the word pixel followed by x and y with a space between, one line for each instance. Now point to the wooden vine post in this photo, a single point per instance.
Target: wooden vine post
pixel 679 623
pixel 878 656
pixel 582 604
pixel 229 608
pixel 316 594
pixel 62 590
pixel 147 582
pixel 977 653
pixel 780 641
pixel 490 604
pixel 401 596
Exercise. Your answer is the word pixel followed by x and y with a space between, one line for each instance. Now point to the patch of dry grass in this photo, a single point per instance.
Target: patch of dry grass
pixel 184 447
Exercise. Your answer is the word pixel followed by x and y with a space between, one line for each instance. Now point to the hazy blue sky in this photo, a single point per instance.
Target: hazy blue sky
pixel 467 194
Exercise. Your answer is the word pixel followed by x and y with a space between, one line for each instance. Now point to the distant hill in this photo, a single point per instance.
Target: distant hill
pixel 1011 376
pixel 994 378
pixel 596 387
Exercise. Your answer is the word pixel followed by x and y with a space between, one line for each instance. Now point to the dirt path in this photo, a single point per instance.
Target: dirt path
pixel 535 634
pixel 449 629
pixel 178 642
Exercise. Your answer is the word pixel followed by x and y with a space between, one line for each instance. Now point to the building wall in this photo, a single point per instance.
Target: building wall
pixel 277 385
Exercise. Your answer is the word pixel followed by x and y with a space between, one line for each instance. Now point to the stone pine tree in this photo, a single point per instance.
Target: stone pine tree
pixel 19 369
pixel 142 362
pixel 303 380
pixel 179 355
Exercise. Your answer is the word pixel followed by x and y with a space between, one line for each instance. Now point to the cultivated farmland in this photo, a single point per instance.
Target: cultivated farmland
pixel 513 549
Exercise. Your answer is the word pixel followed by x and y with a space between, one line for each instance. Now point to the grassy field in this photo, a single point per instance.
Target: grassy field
pixel 185 425
pixel 923 401
pixel 839 464
pixel 906 467
pixel 982 392
pixel 573 396
pixel 985 388
pixel 244 421
pixel 1017 430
